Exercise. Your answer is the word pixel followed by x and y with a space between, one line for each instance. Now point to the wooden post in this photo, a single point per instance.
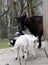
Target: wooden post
pixel 45 18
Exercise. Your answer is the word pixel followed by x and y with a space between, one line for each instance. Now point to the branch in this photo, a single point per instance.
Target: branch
pixel 37 4
pixel 4 13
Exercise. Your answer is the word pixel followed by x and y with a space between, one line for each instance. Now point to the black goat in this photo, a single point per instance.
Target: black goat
pixel 34 24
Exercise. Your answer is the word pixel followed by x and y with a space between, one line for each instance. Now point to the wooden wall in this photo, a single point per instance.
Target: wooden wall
pixel 45 18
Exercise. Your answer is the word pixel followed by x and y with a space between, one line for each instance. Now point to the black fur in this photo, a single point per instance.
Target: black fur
pixel 34 24
pixel 13 42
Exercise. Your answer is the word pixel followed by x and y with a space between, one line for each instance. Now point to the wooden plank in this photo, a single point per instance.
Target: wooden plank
pixel 45 18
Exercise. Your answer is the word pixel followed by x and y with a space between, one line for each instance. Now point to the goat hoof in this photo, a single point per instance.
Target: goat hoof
pixel 23 56
pixel 47 56
pixel 16 58
pixel 28 53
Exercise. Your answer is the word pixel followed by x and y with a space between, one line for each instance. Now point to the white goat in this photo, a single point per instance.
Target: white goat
pixel 25 43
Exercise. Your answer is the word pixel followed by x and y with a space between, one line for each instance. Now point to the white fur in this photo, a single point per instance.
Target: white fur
pixel 25 42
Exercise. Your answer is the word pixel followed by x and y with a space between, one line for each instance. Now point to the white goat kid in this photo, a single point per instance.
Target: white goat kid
pixel 25 43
